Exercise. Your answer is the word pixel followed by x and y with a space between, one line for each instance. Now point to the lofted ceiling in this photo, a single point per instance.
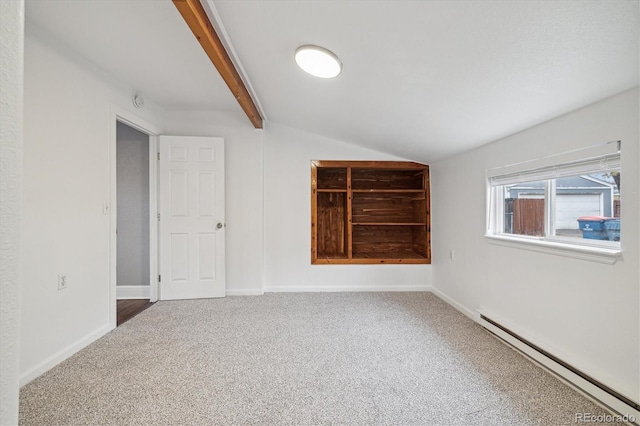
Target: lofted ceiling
pixel 422 79
pixel 144 43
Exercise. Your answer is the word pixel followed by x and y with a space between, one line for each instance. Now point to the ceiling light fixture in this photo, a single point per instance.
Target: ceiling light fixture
pixel 318 61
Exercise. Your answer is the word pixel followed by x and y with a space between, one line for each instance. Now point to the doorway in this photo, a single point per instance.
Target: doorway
pixel 133 279
pixel 199 160
pixel 133 215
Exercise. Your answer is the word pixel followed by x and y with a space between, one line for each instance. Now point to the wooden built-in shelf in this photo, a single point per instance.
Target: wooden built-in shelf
pixel 370 212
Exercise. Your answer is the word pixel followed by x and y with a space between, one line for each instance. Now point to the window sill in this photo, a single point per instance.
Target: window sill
pixel 605 255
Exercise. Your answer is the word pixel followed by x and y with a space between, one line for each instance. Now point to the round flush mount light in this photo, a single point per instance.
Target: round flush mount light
pixel 318 61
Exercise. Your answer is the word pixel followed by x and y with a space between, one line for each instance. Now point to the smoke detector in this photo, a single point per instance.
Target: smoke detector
pixel 138 101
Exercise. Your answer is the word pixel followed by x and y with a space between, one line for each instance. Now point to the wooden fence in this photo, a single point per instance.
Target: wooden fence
pixel 524 216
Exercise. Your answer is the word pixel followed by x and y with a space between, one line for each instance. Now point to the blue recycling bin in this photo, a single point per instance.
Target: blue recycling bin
pixel 613 229
pixel 593 227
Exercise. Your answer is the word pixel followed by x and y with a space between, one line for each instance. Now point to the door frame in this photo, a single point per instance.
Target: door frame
pixel 118 114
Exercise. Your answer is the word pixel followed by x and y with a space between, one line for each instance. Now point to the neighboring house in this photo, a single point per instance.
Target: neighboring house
pixel 575 197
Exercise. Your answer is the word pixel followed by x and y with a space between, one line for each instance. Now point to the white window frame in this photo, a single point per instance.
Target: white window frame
pixel 600 158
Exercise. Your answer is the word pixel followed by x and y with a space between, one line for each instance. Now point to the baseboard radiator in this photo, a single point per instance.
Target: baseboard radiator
pixel 596 389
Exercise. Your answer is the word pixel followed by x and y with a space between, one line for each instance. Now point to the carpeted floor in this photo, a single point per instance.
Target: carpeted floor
pixel 300 359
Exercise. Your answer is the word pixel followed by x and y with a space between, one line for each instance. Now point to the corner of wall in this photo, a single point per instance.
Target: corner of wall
pixel 11 148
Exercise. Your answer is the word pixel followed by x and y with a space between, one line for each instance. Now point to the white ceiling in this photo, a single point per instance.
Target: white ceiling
pixel 144 43
pixel 421 79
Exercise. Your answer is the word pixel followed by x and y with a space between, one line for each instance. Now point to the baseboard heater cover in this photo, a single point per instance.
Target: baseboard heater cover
pixel 564 364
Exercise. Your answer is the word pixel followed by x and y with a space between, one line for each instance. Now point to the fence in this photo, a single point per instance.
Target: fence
pixel 524 216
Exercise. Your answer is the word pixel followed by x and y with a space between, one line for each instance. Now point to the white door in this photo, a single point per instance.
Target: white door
pixel 192 222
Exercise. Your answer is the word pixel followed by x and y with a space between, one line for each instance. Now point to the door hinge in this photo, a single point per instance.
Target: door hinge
pixel 159 278
pixel 158 216
pixel 158 156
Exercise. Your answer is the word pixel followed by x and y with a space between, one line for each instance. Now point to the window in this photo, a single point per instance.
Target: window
pixel 568 203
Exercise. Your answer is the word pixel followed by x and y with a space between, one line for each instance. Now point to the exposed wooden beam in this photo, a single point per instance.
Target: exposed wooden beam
pixel 196 18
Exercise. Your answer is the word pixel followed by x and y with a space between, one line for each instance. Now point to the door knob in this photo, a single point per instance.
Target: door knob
pixel 219 225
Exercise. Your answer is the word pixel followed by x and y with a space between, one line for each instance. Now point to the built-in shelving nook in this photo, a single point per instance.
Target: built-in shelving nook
pixel 370 212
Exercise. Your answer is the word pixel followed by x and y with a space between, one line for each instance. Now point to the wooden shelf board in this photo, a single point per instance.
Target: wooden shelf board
pixel 395 254
pixel 396 165
pixel 390 191
pixel 331 190
pixel 388 223
pixel 368 261
pixel 332 256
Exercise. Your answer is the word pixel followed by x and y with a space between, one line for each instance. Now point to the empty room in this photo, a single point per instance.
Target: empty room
pixel 349 212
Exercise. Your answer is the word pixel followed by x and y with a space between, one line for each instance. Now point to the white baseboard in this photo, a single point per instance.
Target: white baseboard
pixel 133 292
pixel 572 379
pixel 60 356
pixel 475 316
pixel 340 289
pixel 245 292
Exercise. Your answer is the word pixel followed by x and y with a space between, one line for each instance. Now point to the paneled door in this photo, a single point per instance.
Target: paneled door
pixel 192 220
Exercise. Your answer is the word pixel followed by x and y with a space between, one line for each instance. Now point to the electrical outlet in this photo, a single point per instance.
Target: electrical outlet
pixel 62 281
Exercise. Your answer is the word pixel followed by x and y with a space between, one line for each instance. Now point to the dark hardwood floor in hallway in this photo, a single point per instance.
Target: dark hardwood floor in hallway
pixel 129 308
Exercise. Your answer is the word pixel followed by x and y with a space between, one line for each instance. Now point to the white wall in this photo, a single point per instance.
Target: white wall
pixel 66 181
pixel 132 178
pixel 287 195
pixel 584 312
pixel 11 146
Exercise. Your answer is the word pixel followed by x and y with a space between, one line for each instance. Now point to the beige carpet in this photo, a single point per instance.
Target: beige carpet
pixel 301 359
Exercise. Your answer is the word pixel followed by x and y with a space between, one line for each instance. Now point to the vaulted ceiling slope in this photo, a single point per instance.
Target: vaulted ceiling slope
pixel 422 79
pixel 144 43
pixel 426 79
